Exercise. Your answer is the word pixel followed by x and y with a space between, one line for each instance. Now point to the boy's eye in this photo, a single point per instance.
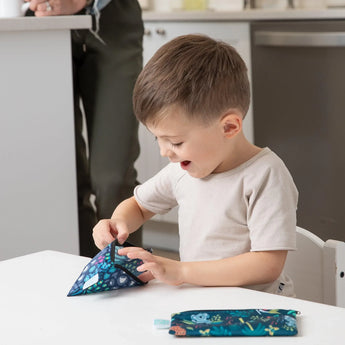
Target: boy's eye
pixel 176 144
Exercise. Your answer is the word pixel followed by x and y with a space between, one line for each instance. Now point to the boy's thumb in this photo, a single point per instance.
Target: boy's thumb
pixel 122 237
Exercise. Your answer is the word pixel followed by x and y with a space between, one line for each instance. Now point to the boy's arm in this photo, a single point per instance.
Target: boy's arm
pixel 245 269
pixel 249 268
pixel 127 217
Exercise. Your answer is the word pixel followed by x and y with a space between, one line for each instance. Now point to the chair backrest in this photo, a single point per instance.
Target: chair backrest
pixel 317 269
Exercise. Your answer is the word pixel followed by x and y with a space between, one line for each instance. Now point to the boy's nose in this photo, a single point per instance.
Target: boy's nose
pixel 163 151
pixel 166 152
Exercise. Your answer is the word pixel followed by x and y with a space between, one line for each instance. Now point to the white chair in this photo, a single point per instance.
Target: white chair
pixel 317 269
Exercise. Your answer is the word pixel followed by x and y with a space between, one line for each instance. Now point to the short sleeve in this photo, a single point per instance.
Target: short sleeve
pixel 158 193
pixel 272 206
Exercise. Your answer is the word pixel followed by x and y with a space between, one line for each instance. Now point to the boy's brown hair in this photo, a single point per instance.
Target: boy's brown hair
pixel 202 76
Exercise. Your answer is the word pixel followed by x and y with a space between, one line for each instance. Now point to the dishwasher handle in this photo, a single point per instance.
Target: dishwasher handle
pixel 299 39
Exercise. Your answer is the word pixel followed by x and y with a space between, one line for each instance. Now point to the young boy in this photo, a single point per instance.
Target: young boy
pixel 237 202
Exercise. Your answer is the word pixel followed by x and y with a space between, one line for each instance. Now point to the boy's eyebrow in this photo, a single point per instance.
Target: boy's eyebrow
pixel 169 136
pixel 165 136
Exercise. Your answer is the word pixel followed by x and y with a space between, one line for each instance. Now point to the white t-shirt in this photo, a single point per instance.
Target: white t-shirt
pixel 249 208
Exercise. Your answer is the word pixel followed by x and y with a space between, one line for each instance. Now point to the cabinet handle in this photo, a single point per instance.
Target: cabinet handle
pixel 160 31
pixel 299 39
pixel 147 32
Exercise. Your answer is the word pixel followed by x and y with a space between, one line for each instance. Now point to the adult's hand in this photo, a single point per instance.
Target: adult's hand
pixel 56 7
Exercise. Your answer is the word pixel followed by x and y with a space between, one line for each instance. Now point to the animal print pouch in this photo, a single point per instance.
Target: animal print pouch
pixel 240 322
pixel 108 271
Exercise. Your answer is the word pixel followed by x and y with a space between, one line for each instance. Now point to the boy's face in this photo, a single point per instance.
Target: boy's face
pixel 197 147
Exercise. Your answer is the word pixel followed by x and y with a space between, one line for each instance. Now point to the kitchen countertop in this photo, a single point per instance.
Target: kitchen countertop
pixel 45 23
pixel 80 22
pixel 36 310
pixel 246 15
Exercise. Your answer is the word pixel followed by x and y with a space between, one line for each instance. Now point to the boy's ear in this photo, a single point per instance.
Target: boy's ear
pixel 231 124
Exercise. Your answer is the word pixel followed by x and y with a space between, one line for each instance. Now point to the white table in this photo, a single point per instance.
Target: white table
pixel 38 199
pixel 35 309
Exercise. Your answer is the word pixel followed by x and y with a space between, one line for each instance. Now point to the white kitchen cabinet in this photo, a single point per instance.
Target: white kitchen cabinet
pixel 158 33
pixel 38 200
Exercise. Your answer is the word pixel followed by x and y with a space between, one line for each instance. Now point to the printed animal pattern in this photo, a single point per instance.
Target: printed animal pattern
pixel 241 322
pixel 107 271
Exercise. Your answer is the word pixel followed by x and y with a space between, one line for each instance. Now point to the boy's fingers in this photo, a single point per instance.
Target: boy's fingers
pixel 137 253
pixel 126 250
pixel 101 236
pixel 142 254
pixel 120 231
pixel 122 237
pixel 152 267
pixel 108 237
pixel 102 243
pixel 146 276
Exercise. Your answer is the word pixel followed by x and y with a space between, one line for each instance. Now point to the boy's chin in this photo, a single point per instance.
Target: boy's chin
pixel 198 174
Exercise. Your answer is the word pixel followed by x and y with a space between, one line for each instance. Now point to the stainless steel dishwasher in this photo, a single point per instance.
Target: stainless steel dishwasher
pixel 298 71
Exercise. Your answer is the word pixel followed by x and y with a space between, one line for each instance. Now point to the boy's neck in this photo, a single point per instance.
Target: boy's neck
pixel 240 151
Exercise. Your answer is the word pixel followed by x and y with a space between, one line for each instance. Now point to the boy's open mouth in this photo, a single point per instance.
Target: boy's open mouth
pixel 184 164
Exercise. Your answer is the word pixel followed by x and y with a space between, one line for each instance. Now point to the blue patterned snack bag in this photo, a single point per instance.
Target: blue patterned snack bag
pixel 108 271
pixel 239 322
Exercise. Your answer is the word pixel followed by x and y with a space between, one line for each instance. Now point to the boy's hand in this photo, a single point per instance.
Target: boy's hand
pixel 166 270
pixel 107 230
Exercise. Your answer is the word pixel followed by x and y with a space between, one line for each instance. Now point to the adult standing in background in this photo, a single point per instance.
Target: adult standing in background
pixel 106 63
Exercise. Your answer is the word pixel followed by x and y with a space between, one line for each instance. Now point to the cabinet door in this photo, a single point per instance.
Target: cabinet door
pixel 157 34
